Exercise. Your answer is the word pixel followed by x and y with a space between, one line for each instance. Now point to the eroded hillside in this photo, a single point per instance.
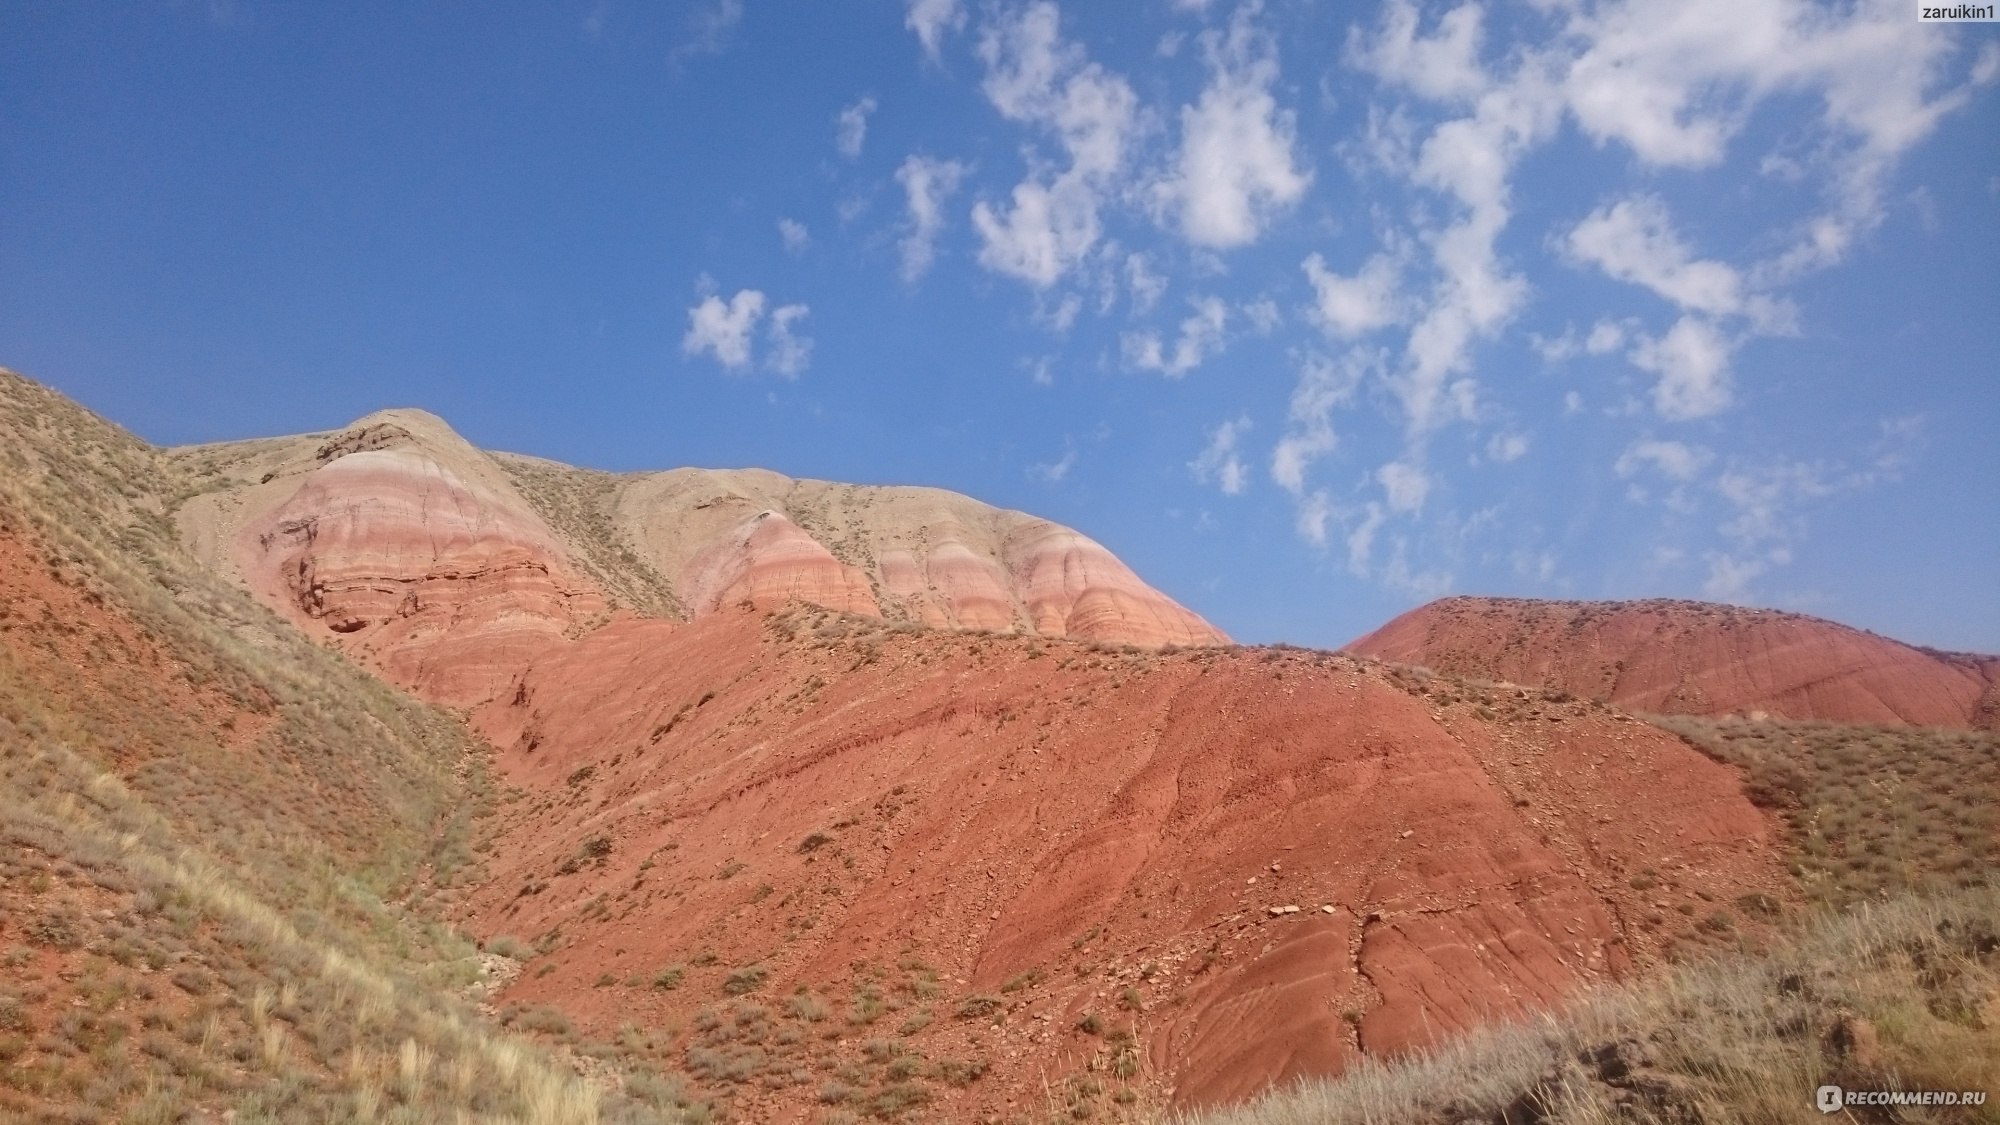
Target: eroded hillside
pixel 1693 658
pixel 217 840
pixel 845 859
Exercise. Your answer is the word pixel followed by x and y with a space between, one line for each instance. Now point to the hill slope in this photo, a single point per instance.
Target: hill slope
pixel 218 841
pixel 1693 658
pixel 742 804
pixel 1008 843
pixel 410 530
pixel 801 858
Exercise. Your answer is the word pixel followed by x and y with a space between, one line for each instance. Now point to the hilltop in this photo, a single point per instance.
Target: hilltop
pixel 1695 658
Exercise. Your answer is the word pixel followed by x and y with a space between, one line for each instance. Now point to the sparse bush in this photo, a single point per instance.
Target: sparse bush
pixel 745 980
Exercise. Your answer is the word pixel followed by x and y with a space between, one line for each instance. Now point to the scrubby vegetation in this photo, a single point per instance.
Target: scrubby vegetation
pixel 1873 810
pixel 223 850
pixel 1892 982
pixel 1896 995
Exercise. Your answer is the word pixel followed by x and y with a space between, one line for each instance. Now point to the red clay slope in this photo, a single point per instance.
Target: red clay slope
pixel 998 807
pixel 850 805
pixel 1694 658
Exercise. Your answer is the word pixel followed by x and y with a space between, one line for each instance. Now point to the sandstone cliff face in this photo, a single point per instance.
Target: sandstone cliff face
pixel 396 527
pixel 1672 657
pixel 912 554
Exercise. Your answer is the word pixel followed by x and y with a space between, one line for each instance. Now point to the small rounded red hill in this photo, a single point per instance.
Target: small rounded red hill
pixel 1695 658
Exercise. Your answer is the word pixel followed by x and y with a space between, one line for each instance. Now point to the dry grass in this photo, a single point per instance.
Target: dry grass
pixel 580 504
pixel 1901 995
pixel 223 849
pixel 1873 810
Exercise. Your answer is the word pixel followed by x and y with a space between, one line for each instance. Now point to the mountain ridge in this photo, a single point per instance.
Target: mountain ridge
pixel 1673 656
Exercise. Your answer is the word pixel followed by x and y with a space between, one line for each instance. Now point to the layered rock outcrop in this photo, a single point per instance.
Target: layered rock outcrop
pixel 451 586
pixel 1694 658
pixel 397 518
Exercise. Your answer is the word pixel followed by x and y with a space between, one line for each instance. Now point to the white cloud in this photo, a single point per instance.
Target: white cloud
pixel 1692 362
pixel 1045 232
pixel 790 352
pixel 1729 576
pixel 1605 337
pixel 1764 495
pixel 1673 459
pixel 850 127
pixel 1361 540
pixel 1202 335
pixel 1507 448
pixel 1036 77
pixel 927 184
pixel 709 30
pixel 795 235
pixel 724 328
pixel 727 330
pixel 1053 472
pixel 1324 385
pixel 931 20
pixel 1060 317
pixel 1444 66
pixel 1236 168
pixel 1264 315
pixel 1147 287
pixel 1675 83
pixel 1470 159
pixel 1405 485
pixel 1634 241
pixel 1312 515
pixel 1352 306
pixel 1221 462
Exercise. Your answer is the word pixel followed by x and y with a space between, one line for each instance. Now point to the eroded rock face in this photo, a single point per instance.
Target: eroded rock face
pixel 951 587
pixel 395 528
pixel 1693 658
pixel 1072 587
pixel 450 586
pixel 766 562
pixel 915 554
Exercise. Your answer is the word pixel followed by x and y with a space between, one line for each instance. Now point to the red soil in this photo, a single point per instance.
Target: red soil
pixel 1692 658
pixel 1108 831
pixel 994 807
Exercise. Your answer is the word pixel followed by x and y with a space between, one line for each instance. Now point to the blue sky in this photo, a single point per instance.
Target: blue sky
pixel 1310 312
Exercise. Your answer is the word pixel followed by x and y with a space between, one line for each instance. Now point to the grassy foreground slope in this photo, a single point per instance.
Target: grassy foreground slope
pixel 1900 996
pixel 1890 981
pixel 221 846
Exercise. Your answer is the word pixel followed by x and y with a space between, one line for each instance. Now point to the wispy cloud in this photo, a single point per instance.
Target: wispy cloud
pixel 850 127
pixel 1220 462
pixel 709 30
pixel 927 184
pixel 932 20
pixel 1202 335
